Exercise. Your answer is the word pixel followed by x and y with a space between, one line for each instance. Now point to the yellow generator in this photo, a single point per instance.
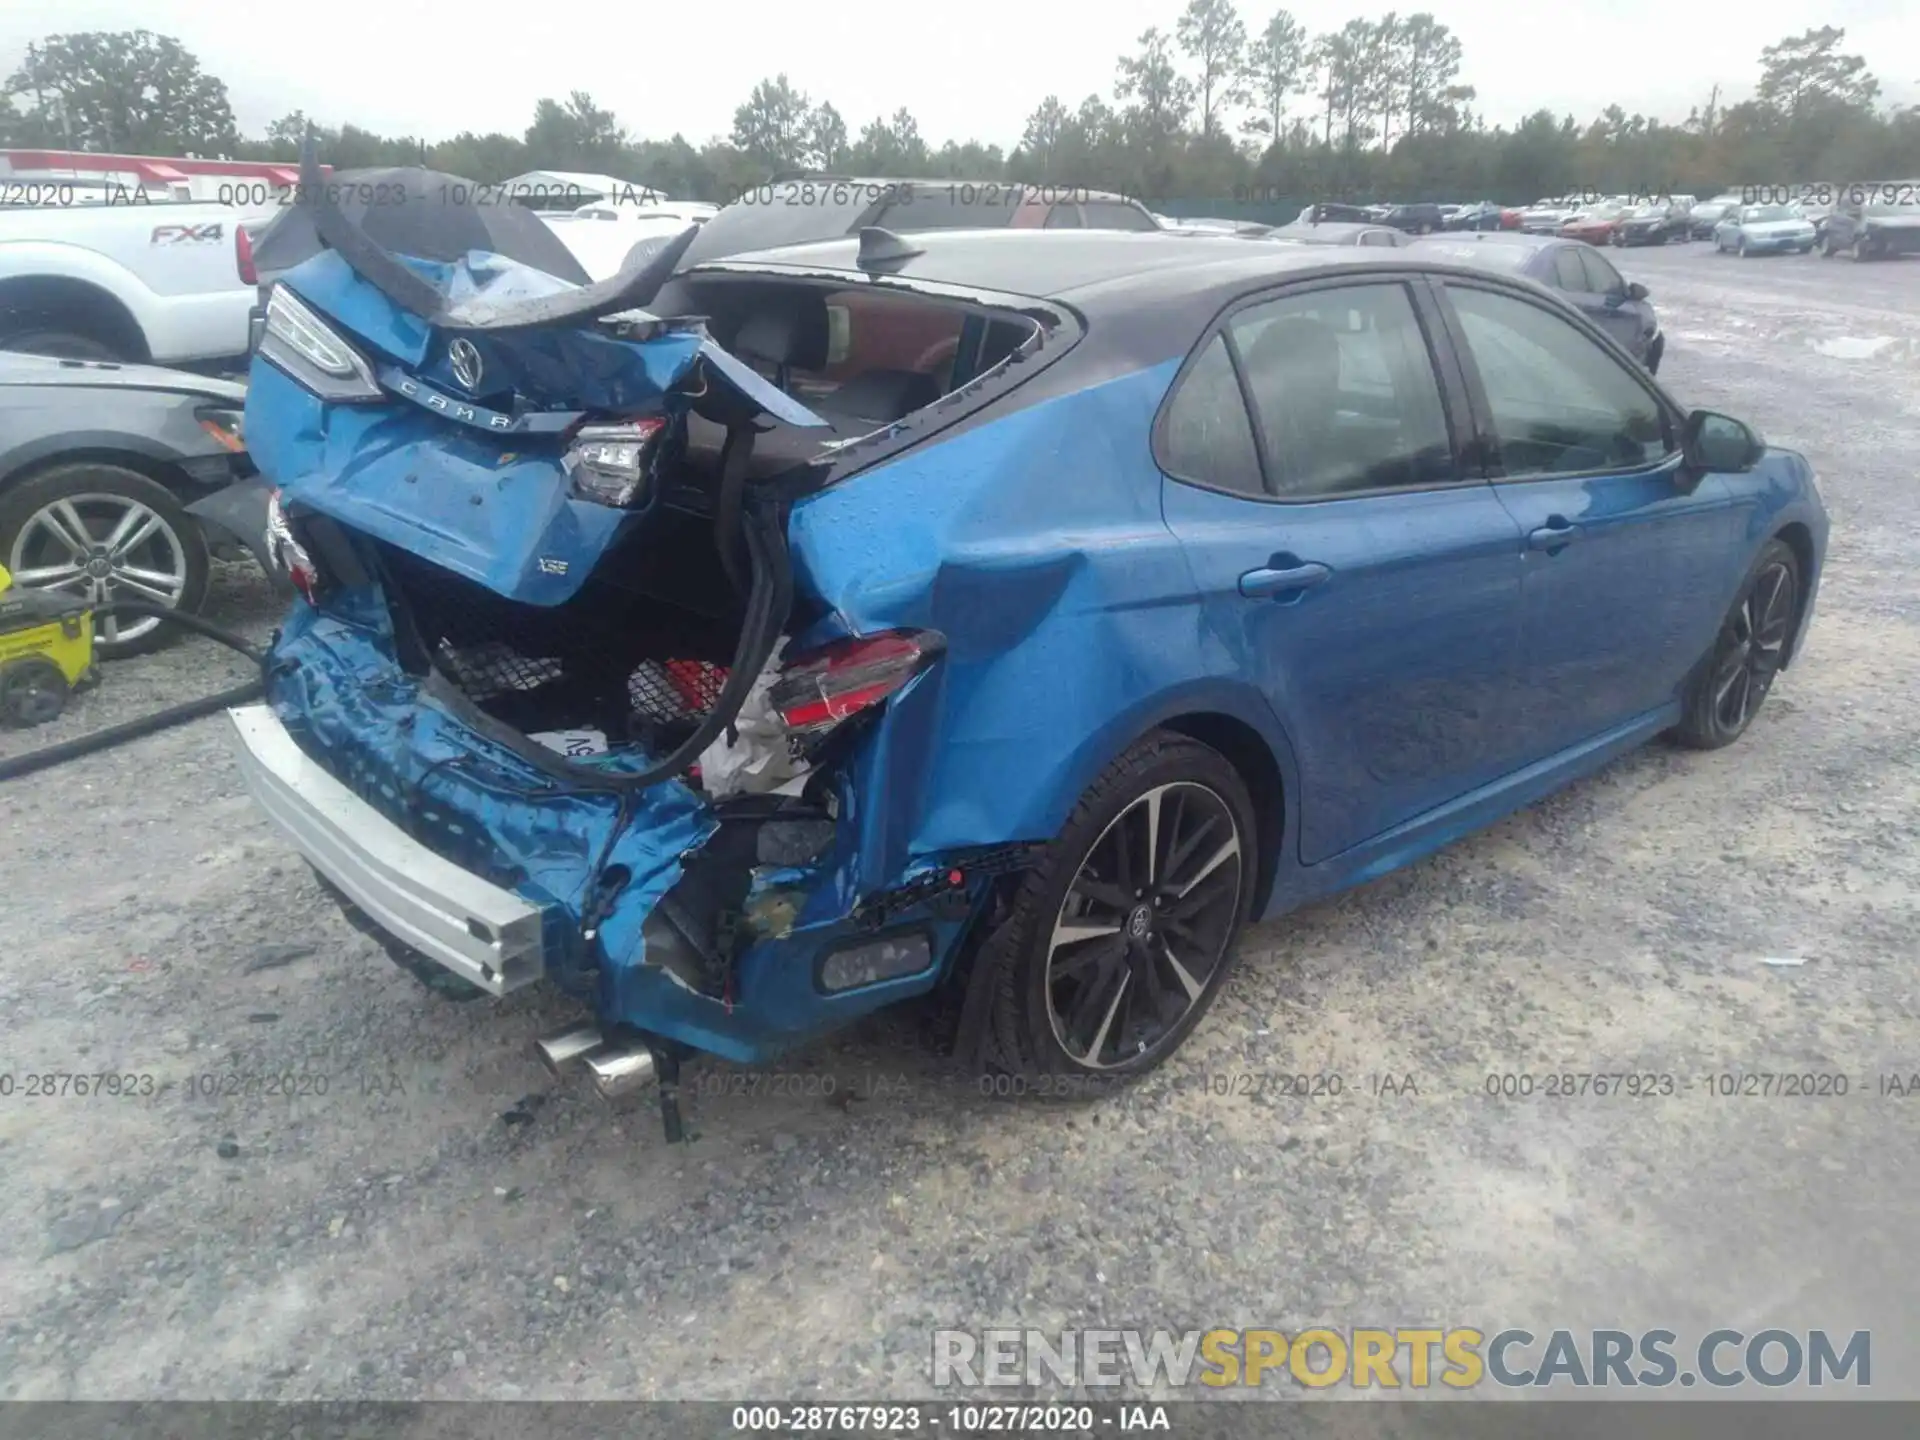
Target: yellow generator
pixel 46 650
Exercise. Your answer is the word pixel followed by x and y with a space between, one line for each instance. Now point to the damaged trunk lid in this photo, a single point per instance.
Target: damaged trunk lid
pixel 516 430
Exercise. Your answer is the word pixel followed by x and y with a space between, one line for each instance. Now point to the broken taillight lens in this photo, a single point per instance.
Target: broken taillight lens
pixel 287 553
pixel 609 463
pixel 243 255
pixel 818 690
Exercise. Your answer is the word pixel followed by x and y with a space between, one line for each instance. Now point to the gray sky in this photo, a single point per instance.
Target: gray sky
pixel 968 72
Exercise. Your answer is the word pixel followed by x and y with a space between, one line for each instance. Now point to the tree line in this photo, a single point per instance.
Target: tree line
pixel 1208 112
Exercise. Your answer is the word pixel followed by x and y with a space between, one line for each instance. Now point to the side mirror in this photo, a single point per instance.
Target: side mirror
pixel 1715 442
pixel 1637 291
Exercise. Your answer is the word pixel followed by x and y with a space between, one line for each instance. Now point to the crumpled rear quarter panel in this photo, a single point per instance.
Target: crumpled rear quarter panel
pixel 1035 544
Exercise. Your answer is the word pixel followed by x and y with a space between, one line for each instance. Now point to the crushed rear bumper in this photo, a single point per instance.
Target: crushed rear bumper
pixel 483 933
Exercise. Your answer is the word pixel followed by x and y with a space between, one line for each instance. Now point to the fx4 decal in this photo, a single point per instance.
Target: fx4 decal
pixel 187 234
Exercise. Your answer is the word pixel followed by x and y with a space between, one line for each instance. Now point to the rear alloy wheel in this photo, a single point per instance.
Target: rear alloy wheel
pixel 101 533
pixel 1728 688
pixel 1122 934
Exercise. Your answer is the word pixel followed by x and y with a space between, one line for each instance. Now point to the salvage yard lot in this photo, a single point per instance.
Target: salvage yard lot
pixel 427 1214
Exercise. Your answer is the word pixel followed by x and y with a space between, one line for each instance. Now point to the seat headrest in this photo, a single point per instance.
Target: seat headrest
pixel 790 331
pixel 1296 342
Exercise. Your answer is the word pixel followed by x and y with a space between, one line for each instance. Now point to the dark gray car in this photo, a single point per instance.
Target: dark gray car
pixel 1875 221
pixel 1579 273
pixel 120 482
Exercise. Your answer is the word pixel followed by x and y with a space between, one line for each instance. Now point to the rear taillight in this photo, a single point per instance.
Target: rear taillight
pixel 287 554
pixel 243 255
pixel 818 690
pixel 609 463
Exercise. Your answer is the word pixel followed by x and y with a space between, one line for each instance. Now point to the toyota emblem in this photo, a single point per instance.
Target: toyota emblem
pixel 465 360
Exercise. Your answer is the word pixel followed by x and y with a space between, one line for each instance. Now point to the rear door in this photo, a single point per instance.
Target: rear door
pixel 1357 569
pixel 1626 569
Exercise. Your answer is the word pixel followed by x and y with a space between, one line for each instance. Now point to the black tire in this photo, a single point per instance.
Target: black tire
pixel 1861 252
pixel 1719 703
pixel 1826 247
pixel 63 344
pixel 1654 355
pixel 1744 253
pixel 20 503
pixel 1026 1029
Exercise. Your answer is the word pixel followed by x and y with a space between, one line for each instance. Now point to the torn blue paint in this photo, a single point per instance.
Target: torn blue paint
pixel 495 508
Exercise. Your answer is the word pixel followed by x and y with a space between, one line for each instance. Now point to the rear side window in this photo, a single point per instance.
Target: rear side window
pixel 1208 438
pixel 1602 278
pixel 1568 272
pixel 1345 393
pixel 1112 215
pixel 1559 402
pixel 1063 217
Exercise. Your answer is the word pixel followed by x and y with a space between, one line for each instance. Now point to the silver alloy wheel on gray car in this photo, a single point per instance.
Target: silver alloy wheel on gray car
pixel 103 547
pixel 1144 925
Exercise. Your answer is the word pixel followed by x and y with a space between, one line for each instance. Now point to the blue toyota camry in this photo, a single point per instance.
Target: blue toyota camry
pixel 1014 612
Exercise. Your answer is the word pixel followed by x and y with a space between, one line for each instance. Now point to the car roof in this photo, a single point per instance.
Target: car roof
pixel 1326 230
pixel 1043 264
pixel 1491 250
pixel 834 206
pixel 1058 193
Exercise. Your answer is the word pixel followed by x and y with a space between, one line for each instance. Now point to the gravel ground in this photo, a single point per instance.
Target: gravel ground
pixel 446 1222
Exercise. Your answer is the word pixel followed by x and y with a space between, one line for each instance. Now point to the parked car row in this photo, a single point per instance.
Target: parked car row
pixel 120 480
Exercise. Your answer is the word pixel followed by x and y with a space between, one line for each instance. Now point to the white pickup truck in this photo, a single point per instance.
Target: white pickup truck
pixel 158 282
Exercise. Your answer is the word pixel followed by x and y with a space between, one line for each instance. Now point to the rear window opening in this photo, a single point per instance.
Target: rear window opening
pixel 861 358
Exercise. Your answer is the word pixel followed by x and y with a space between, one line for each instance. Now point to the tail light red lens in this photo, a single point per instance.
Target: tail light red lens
pixel 818 690
pixel 243 255
pixel 287 554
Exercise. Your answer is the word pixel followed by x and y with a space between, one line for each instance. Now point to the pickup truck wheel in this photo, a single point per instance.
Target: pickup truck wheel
pixel 1123 932
pixel 62 344
pixel 104 533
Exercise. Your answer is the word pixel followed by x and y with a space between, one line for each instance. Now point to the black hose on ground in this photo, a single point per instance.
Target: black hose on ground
pixel 50 755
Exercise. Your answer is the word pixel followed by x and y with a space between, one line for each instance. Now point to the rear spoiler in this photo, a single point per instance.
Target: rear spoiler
pixel 631 289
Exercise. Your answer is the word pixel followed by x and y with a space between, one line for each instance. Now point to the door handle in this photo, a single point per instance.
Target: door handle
pixel 1289 581
pixel 1552 537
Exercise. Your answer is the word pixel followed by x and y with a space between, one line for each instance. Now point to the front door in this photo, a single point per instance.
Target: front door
pixel 1623 560
pixel 1371 590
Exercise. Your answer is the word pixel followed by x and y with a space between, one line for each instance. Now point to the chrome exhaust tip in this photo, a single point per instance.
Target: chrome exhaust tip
pixel 557 1052
pixel 621 1072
